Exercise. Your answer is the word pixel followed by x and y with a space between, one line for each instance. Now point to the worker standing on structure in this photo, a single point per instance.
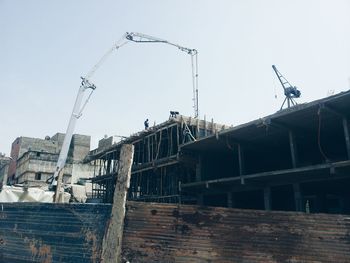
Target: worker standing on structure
pixel 146 124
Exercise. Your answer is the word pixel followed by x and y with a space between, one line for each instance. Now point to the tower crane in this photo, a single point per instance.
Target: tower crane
pixel 87 85
pixel 291 92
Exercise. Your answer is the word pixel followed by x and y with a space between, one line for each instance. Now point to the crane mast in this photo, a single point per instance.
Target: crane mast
pixel 291 92
pixel 87 85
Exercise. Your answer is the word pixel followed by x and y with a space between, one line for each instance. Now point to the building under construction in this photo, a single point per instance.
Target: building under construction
pixel 159 167
pixel 297 159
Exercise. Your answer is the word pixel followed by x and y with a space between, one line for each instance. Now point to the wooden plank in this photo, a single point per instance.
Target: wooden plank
pixel 58 197
pixel 112 242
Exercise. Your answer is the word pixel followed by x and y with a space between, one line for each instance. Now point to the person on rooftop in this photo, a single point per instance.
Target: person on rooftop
pixel 146 124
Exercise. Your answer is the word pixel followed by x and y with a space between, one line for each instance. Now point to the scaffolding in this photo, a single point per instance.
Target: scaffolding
pixel 158 167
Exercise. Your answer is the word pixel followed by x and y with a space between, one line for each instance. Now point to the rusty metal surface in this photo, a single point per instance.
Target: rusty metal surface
pixel 171 233
pixel 37 232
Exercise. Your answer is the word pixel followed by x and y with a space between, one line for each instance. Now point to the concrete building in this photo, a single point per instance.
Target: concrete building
pixel 297 159
pixel 34 159
pixel 157 164
pixel 4 165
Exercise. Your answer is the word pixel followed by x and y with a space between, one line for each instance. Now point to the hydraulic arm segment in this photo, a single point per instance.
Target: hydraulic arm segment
pixel 142 38
pixel 87 85
pixel 77 112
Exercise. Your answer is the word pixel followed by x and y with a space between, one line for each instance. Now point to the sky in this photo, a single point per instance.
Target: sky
pixel 46 46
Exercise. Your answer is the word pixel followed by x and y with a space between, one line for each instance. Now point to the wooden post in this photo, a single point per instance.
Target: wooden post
pixel 59 193
pixel 112 242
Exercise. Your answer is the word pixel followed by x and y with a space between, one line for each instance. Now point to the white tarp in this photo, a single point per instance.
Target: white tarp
pixel 21 194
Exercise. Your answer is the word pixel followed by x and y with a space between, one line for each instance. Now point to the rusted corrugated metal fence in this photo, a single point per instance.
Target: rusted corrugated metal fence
pixel 37 232
pixel 171 233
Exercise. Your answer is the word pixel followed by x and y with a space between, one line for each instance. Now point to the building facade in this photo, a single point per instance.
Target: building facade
pixel 297 159
pixel 4 166
pixel 158 164
pixel 34 159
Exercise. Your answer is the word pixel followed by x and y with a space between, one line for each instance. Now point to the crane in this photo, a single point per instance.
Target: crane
pixel 87 85
pixel 291 92
pixel 142 38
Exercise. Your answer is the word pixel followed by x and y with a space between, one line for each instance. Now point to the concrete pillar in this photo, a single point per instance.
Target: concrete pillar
pixel 297 197
pixel 293 149
pixel 241 163
pixel 229 199
pixel 200 199
pixel 267 198
pixel 199 170
pixel 346 135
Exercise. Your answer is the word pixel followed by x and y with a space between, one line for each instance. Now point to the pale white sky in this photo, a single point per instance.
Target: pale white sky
pixel 47 45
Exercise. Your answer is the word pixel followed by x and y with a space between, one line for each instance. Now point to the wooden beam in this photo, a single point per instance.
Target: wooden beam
pixel 112 241
pixel 59 192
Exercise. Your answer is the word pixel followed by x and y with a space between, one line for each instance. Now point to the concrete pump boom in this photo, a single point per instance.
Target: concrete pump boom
pixel 86 84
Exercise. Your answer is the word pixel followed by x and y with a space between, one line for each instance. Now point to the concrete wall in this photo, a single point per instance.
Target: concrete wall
pixel 81 146
pixel 24 144
pixel 32 163
pixel 4 166
pixel 80 170
pixel 32 156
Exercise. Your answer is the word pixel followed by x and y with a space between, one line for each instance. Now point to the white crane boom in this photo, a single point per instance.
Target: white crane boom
pixel 76 113
pixel 142 38
pixel 86 84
